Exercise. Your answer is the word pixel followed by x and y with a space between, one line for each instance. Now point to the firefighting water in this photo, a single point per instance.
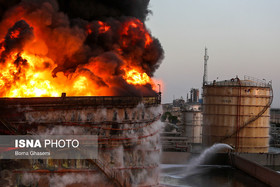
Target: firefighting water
pixel 45 52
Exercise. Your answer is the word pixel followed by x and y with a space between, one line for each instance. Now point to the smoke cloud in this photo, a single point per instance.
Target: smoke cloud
pixel 16 38
pixel 96 9
pixel 100 40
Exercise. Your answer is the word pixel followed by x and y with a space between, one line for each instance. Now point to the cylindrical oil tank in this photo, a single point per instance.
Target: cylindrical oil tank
pixel 127 129
pixel 192 121
pixel 236 112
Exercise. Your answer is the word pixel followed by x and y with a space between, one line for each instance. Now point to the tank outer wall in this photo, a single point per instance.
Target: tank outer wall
pixel 192 121
pixel 227 108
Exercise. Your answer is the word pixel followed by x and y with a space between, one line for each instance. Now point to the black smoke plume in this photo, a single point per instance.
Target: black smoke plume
pixel 16 38
pixel 71 33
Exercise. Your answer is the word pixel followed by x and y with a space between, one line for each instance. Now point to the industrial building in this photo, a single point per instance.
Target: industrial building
pixel 186 134
pixel 275 127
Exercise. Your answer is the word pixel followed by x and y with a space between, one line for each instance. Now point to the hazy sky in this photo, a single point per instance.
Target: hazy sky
pixel 242 37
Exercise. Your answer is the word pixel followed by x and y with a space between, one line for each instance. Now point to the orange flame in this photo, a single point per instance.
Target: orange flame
pixel 14 34
pixel 32 75
pixel 135 27
pixel 33 84
pixel 88 29
pixel 148 39
pixel 103 27
pixel 134 77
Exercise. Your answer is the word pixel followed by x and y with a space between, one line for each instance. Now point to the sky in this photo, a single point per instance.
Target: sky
pixel 242 37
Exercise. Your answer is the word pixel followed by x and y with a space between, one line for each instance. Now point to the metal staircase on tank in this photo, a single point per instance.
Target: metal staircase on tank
pixel 113 176
pixel 10 128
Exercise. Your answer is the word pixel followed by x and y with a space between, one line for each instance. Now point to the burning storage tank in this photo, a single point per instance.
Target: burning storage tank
pixel 236 112
pixel 127 129
pixel 103 56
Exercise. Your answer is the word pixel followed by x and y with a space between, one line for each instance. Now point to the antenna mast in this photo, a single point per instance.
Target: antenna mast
pixel 206 57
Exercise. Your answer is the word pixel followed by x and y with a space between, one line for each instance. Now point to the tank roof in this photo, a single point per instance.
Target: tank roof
pixel 248 81
pixel 82 101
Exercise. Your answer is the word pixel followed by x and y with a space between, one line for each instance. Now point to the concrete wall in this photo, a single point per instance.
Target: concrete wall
pixel 268 176
pixel 174 157
pixel 266 159
pixel 184 157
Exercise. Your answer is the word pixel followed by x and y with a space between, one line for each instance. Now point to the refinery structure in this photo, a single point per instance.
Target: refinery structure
pixel 234 111
pixel 64 73
pixel 192 118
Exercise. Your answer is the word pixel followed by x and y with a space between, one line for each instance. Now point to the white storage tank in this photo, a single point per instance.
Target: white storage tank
pixel 192 120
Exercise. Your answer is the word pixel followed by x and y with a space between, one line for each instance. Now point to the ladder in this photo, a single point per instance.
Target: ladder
pixel 109 173
pixel 9 126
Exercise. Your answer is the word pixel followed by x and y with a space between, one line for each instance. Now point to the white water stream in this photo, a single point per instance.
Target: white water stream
pixel 191 168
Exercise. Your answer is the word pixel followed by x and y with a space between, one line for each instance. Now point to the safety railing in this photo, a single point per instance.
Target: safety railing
pixel 82 101
pixel 248 81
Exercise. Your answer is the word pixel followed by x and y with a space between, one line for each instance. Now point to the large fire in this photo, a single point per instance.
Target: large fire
pixel 36 63
pixel 132 76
